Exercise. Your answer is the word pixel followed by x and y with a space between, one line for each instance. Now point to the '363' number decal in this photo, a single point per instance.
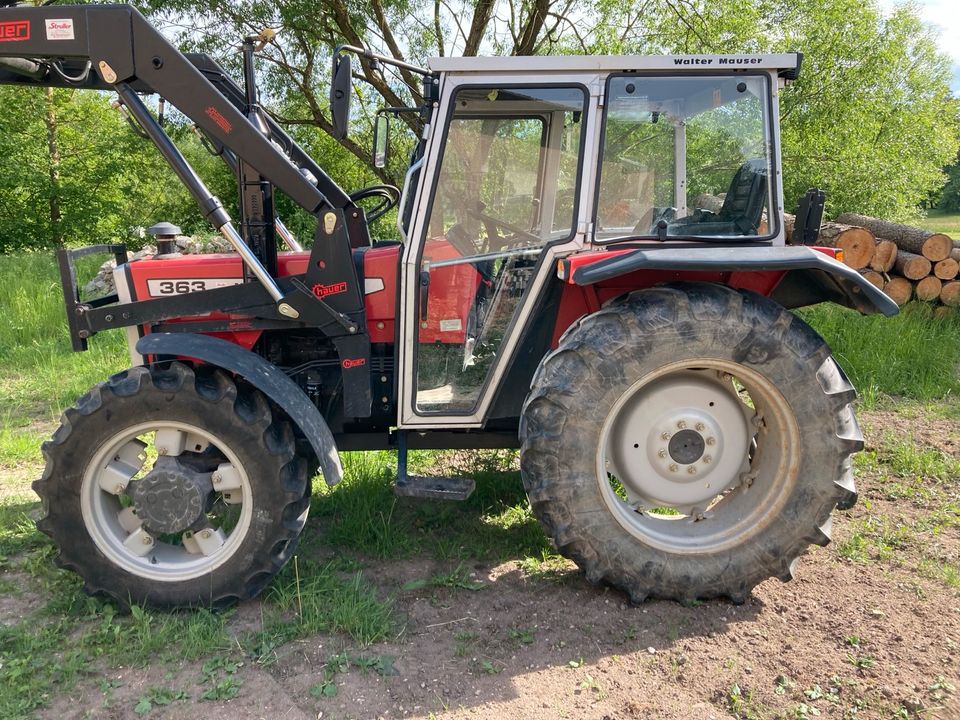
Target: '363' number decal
pixel 159 288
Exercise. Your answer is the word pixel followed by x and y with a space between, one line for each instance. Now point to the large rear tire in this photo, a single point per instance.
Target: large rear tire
pixel 689 442
pixel 173 487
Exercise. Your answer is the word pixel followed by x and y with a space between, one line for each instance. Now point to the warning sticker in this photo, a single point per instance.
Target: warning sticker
pixel 60 29
pixel 451 325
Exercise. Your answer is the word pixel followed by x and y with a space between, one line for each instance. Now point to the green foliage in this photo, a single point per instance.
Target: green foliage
pixel 73 173
pixel 950 194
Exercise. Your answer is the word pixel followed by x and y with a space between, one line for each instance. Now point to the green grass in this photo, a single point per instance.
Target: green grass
pixel 946 223
pixel 39 375
pixel 912 355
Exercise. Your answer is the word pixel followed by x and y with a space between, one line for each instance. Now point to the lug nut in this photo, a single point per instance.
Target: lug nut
pixel 161 451
pixel 205 534
pixel 682 424
pixel 692 470
pixel 707 459
pixel 701 427
pixel 216 478
pixel 118 489
pixel 147 540
pixel 673 467
pixel 711 441
pixel 661 453
pixel 664 436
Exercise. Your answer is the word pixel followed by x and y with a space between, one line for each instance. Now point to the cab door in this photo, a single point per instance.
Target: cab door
pixel 505 187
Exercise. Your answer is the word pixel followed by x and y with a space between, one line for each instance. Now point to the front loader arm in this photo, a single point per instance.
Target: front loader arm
pixel 113 47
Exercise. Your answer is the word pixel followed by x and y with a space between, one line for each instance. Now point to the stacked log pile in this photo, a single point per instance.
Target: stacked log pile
pixel 906 262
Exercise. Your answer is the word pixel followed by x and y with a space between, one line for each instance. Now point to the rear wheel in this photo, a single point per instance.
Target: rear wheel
pixel 172 487
pixel 689 442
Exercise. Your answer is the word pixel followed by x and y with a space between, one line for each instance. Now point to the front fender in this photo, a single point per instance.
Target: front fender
pixel 807 276
pixel 264 376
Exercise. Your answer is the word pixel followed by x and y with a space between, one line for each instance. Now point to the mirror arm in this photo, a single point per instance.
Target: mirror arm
pixel 370 55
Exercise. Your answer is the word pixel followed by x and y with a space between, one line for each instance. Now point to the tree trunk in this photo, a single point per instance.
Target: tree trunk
pixel 912 266
pixel 933 246
pixel 858 245
pixel 946 269
pixel 950 294
pixel 53 168
pixel 928 289
pixel 874 278
pixel 884 257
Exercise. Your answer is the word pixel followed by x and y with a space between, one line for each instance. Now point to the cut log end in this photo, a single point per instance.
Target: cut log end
pixel 950 294
pixel 914 267
pixel 937 247
pixel 946 269
pixel 874 278
pixel 900 290
pixel 884 257
pixel 929 288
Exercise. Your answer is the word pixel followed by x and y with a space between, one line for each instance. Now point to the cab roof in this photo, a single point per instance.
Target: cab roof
pixel 786 64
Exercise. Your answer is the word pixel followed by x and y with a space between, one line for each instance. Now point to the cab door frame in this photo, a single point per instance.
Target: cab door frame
pixel 593 81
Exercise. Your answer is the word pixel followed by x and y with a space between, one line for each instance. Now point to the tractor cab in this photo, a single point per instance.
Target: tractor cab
pixel 528 160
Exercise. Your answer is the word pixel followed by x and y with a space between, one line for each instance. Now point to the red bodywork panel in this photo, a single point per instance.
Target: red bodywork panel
pixel 578 300
pixel 161 278
pixel 452 289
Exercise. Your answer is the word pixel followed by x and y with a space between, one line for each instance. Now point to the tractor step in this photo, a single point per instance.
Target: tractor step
pixel 437 488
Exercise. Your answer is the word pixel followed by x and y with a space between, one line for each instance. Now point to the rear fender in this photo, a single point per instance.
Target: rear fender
pixel 264 376
pixel 793 276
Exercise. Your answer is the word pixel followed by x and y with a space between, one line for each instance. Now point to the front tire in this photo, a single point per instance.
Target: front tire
pixel 688 442
pixel 173 487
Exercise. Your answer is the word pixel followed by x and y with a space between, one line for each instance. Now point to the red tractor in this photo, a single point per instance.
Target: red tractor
pixel 561 287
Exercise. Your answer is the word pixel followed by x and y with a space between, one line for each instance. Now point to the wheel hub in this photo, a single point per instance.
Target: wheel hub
pixel 171 497
pixel 680 441
pixel 686 446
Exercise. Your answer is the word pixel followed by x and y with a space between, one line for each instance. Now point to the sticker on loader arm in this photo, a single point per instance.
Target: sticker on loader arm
pixel 163 288
pixel 60 29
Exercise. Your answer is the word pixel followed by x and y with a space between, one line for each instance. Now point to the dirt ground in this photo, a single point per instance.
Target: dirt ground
pixel 842 640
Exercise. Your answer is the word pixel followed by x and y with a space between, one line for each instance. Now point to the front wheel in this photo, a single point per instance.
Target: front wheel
pixel 689 442
pixel 173 487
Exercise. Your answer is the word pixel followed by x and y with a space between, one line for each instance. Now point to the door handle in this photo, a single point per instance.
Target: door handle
pixel 424 293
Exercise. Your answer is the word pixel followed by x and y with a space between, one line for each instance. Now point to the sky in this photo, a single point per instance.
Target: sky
pixel 944 16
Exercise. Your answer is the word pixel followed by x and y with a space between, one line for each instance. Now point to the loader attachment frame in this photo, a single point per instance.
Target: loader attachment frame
pixel 114 48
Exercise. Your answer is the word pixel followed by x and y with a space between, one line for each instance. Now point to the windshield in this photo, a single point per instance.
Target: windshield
pixel 686 157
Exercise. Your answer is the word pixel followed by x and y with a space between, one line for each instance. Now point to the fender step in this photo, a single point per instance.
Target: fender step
pixel 437 488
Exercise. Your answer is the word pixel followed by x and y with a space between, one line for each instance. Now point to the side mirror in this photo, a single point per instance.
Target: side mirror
pixel 381 140
pixel 340 92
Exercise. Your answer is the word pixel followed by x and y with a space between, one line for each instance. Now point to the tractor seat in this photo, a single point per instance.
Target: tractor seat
pixel 742 207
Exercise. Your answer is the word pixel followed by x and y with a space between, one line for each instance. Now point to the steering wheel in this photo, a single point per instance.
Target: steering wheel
pixel 389 196
pixel 491 224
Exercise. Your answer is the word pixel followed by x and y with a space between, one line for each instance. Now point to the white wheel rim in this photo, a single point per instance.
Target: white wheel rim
pixel 117 531
pixel 686 465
